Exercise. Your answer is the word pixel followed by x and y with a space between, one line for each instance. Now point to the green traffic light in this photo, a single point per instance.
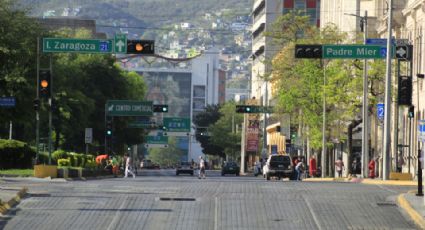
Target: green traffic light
pixel 248 109
pixel 164 109
pixel 109 132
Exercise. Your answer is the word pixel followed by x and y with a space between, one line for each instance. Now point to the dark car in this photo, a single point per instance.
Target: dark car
pixel 230 168
pixel 279 166
pixel 184 167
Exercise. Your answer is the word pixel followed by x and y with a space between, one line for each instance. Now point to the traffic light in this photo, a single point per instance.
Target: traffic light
pixel 404 90
pixel 44 83
pixel 308 51
pixel 293 132
pixel 411 113
pixel 160 108
pixel 140 47
pixel 245 109
pixel 36 104
pixel 109 127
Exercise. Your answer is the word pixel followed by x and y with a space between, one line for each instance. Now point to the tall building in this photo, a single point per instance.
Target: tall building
pixel 264 14
pixel 187 91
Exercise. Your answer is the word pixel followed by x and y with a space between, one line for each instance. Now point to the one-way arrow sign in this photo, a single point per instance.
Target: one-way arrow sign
pixel 401 52
pixel 120 43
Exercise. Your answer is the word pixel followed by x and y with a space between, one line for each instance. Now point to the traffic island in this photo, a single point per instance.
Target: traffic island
pixel 5 206
pixel 413 206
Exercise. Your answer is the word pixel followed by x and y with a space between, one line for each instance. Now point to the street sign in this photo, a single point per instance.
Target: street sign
pixel 128 108
pixel 7 102
pixel 73 45
pixel 421 130
pixel 120 43
pixel 354 51
pixel 177 124
pixel 380 108
pixel 89 136
pixel 157 139
pixel 376 41
pixel 141 125
pixel 401 52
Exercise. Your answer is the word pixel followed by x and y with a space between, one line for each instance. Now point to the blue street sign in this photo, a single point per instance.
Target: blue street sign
pixel 421 130
pixel 376 41
pixel 383 51
pixel 7 102
pixel 380 111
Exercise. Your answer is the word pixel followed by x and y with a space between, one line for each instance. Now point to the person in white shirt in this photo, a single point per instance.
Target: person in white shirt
pixel 299 169
pixel 128 167
pixel 201 168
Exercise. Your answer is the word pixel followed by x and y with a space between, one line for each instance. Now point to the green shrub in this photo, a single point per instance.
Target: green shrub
pixel 72 160
pixel 43 157
pixel 90 164
pixel 79 159
pixel 59 154
pixel 15 154
pixel 64 162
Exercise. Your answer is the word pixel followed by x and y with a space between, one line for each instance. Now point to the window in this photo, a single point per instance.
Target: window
pixel 300 4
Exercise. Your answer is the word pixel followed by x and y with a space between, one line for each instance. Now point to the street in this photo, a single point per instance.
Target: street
pixel 157 199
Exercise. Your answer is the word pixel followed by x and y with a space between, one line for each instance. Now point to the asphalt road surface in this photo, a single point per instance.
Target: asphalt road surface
pixel 157 199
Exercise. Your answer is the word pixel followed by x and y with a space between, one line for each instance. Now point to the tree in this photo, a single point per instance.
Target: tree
pixel 166 156
pixel 18 46
pixel 223 134
pixel 202 121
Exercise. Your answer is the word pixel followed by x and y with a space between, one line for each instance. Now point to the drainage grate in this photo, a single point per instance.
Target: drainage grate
pixel 176 199
pixel 39 195
pixel 386 204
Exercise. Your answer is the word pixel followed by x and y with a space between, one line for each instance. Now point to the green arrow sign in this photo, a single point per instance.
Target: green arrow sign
pixel 354 51
pixel 120 43
pixel 128 108
pixel 176 124
pixel 157 139
pixel 73 45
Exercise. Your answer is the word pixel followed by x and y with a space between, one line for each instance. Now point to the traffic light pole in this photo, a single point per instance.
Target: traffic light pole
pixel 365 133
pixel 37 114
pixel 323 159
pixel 50 111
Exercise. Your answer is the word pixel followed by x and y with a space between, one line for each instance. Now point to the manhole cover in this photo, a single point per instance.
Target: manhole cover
pixel 386 204
pixel 176 199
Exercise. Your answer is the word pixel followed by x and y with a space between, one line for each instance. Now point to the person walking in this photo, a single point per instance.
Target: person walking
pixel 201 168
pixel 128 167
pixel 339 166
pixel 299 169
pixel 115 166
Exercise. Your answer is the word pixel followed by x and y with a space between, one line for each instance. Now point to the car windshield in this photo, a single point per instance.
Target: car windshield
pixel 280 159
pixel 230 164
pixel 185 163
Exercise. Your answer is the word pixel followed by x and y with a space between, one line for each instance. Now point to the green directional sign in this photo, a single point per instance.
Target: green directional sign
pixel 157 139
pixel 177 124
pixel 354 51
pixel 120 43
pixel 128 108
pixel 140 125
pixel 72 45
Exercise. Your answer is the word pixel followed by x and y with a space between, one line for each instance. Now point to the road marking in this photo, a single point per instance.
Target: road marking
pixel 310 208
pixel 117 214
pixel 216 214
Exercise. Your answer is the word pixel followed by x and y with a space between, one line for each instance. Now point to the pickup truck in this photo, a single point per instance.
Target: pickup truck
pixel 279 166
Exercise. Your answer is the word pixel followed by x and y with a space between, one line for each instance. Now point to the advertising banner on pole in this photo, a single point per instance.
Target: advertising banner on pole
pixel 252 135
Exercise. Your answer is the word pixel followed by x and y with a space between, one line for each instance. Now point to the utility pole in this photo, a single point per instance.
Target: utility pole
pixel 387 115
pixel 420 186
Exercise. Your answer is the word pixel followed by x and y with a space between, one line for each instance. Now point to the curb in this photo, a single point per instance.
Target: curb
pixel 414 215
pixel 6 206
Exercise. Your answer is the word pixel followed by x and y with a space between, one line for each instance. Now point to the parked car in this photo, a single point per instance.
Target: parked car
pixel 279 166
pixel 184 167
pixel 230 168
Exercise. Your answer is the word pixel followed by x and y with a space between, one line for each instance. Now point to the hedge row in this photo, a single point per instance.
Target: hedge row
pixel 72 159
pixel 15 154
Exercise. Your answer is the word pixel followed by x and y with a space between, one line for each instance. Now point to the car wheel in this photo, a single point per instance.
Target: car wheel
pixel 268 176
pixel 177 173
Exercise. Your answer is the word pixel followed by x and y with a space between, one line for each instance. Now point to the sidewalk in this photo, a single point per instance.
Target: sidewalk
pixel 414 206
